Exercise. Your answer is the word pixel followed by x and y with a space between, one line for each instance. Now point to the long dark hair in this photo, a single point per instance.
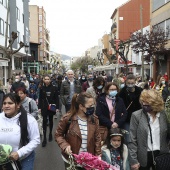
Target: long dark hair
pixel 22 118
pixel 115 132
pixel 78 99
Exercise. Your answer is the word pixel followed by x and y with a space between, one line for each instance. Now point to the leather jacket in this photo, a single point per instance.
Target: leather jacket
pixel 71 135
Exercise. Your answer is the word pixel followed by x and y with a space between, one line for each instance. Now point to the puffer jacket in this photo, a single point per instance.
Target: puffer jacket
pixel 71 136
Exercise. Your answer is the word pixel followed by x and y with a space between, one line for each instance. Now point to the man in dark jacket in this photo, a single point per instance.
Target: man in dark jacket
pixel 17 84
pixel 130 95
pixel 68 88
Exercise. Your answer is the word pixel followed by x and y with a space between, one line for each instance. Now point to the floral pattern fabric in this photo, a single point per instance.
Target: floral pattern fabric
pixel 116 159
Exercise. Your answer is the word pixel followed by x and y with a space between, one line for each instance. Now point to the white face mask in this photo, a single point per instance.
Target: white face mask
pixel 114 146
pixel 16 80
pixel 157 88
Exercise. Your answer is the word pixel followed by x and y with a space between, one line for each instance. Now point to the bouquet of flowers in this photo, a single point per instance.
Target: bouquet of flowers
pixel 89 162
pixel 5 151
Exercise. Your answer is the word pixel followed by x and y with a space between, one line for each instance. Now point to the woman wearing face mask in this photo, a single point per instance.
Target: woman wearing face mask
pixel 162 84
pixel 98 88
pixel 110 109
pixel 78 131
pixel 82 79
pixel 152 114
pixel 116 152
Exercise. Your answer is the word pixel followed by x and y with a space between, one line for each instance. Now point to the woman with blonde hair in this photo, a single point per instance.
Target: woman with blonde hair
pixel 148 123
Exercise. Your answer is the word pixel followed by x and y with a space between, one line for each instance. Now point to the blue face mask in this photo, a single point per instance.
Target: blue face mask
pixel 113 93
pixel 90 79
pixel 122 85
pixel 100 87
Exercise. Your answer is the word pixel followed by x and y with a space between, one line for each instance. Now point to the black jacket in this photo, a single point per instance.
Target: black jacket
pixel 17 85
pixel 165 93
pixel 52 98
pixel 126 96
pixel 102 111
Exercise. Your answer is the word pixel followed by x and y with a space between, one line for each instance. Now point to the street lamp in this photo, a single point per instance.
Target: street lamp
pixel 26 51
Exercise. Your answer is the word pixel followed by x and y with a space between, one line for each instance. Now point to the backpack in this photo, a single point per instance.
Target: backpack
pixel 167 108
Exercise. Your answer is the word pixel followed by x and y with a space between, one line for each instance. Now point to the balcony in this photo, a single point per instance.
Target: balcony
pixel 114 27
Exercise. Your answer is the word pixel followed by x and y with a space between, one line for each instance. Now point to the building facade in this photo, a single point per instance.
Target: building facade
pixel 126 19
pixel 18 21
pixel 160 15
pixel 40 35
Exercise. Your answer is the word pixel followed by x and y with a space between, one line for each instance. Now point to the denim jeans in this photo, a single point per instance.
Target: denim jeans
pixel 28 162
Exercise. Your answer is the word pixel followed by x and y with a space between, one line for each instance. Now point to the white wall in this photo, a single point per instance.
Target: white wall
pixel 136 58
pixel 3 14
pixel 20 24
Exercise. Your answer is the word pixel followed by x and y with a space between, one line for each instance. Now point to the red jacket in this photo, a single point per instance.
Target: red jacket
pixel 85 86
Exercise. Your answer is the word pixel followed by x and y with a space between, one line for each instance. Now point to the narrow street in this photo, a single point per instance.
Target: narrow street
pixel 49 157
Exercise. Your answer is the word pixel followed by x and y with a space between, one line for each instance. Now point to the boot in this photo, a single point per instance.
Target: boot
pixel 44 142
pixel 50 137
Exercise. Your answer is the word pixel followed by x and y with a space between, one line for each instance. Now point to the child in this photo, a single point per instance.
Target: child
pixel 116 152
pixel 32 94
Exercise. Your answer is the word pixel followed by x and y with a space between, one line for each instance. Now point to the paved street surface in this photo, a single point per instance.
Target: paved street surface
pixel 49 157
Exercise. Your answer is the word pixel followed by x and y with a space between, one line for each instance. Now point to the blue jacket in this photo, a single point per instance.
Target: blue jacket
pixel 102 111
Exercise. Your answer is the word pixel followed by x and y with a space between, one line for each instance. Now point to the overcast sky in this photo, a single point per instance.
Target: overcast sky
pixel 76 25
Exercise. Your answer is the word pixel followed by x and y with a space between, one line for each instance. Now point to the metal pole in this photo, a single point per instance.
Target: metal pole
pixel 141 24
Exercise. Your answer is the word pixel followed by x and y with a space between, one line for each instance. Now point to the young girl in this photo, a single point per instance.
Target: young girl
pixel 116 152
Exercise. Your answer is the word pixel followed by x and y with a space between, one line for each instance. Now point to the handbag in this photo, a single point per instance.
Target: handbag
pixel 51 107
pixel 162 161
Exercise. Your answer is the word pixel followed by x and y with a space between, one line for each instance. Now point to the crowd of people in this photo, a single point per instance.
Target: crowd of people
pixel 121 120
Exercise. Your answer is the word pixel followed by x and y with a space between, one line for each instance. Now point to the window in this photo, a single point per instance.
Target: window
pixel 23 18
pixel 5 3
pixel 168 25
pixel 1 26
pixel 40 40
pixel 40 17
pixel 23 38
pixel 157 4
pixel 40 29
pixel 8 30
pixel 18 13
pixel 41 54
pixel 18 38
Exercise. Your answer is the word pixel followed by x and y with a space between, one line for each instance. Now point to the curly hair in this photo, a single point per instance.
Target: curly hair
pixel 153 98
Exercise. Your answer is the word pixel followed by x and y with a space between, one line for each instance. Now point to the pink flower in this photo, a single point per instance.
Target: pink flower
pixel 89 162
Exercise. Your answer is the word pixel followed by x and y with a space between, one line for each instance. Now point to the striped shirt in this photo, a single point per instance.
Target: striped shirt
pixel 83 130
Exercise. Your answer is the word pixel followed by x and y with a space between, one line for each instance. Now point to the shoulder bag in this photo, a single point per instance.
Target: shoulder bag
pixel 162 161
pixel 51 107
